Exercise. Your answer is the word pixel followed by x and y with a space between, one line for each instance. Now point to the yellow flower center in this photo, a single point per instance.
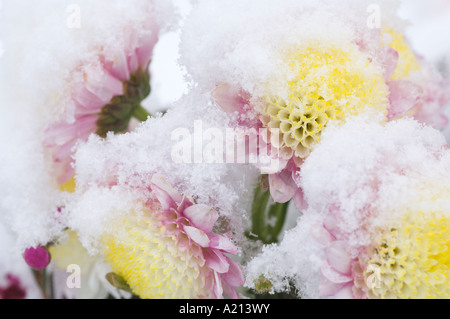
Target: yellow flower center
pixel 69 186
pixel 412 261
pixel 327 83
pixel 156 265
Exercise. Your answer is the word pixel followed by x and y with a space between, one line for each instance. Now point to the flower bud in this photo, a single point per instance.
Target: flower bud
pixel 37 258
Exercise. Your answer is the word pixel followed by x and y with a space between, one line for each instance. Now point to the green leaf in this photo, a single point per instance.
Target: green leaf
pixel 120 111
pixel 141 114
pixel 116 115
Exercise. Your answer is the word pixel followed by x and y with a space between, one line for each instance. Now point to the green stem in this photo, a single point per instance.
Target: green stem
pixel 141 114
pixel 50 287
pixel 260 202
pixel 268 218
pixel 278 211
pixel 40 276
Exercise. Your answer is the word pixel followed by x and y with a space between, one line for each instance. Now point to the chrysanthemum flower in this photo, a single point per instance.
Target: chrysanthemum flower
pixel 104 99
pixel 411 260
pixel 378 219
pixel 408 259
pixel 327 83
pixel 172 251
pixel 415 89
pixel 393 242
pixel 322 83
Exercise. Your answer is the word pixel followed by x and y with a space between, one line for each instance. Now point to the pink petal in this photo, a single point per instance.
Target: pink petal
pixel 164 198
pixel 334 276
pixel 66 173
pixel 59 134
pixel 197 235
pixel 104 85
pixel 432 116
pixel 216 260
pixel 230 291
pixel 369 42
pixel 63 133
pixel 389 59
pixel 86 98
pixel 329 289
pixel 202 217
pixel 345 293
pixel 119 67
pixel 282 187
pixel 404 95
pixel 234 276
pixel 229 99
pixel 64 152
pixel 436 97
pixel 299 200
pixel 133 63
pixel 185 203
pixel 321 235
pixel 81 110
pixel 330 223
pixel 223 243
pixel 147 43
pixel 161 182
pixel 218 289
pixel 338 257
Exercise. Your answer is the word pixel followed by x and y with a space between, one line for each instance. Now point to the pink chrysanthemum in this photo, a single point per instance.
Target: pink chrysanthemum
pixel 407 260
pixel 105 99
pixel 172 251
pixel 341 273
pixel 330 83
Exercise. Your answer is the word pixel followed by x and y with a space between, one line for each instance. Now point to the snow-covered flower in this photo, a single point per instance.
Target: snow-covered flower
pixel 345 108
pixel 317 80
pixel 324 84
pixel 105 97
pixel 378 218
pixel 408 258
pixel 172 251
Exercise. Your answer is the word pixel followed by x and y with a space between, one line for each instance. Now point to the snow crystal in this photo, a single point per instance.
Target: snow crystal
pixel 296 258
pixel 236 44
